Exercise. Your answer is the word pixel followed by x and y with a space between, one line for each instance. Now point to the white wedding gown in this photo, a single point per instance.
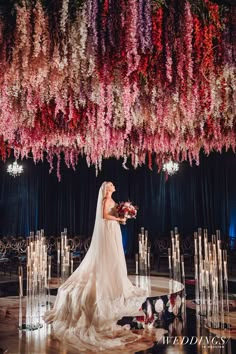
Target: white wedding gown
pixel 98 293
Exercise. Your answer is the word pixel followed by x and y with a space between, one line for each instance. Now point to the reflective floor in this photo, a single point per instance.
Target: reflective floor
pixel 186 333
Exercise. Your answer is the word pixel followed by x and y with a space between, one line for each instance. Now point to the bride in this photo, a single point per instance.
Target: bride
pixel 99 293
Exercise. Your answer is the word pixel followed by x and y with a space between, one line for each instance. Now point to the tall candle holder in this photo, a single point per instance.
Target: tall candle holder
pixel 20 275
pixel 49 268
pixel 142 259
pixel 226 290
pixel 37 282
pixel 175 259
pixel 136 263
pixel 65 262
pixel 65 256
pixel 58 261
pixel 211 288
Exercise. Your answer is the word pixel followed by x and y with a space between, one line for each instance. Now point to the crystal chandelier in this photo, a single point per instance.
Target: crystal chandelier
pixel 170 167
pixel 15 169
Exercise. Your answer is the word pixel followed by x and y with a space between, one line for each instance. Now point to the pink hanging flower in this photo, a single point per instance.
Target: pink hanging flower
pixel 188 24
pixel 131 37
pixel 169 61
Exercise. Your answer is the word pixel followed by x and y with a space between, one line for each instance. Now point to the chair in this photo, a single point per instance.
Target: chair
pixel 4 260
pixel 187 249
pixel 77 248
pixel 87 244
pixel 161 247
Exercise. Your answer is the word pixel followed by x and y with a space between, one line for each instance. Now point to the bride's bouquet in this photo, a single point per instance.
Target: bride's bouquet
pixel 127 210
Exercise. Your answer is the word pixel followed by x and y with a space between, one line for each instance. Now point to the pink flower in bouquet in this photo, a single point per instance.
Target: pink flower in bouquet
pixel 127 210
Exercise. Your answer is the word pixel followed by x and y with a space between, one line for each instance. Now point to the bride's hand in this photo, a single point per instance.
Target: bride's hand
pixel 122 220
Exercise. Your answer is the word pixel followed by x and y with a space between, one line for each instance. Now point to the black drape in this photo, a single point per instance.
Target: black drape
pixel 199 196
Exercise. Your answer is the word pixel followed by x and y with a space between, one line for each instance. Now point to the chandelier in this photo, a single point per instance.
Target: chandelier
pixel 15 169
pixel 170 167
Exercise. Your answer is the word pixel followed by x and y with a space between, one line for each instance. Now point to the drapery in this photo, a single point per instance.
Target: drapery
pixel 199 196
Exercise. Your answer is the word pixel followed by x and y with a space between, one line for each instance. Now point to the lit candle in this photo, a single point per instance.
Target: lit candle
pixel 20 271
pixel 200 246
pixel 71 266
pixel 169 257
pixel 149 249
pixel 136 263
pixel 146 239
pixel 220 258
pixel 45 279
pixel 203 277
pixel 196 266
pixel 28 254
pixel 44 250
pixel 206 250
pixel 145 257
pixel 62 242
pixel 195 243
pixel 174 258
pixel 178 254
pixel 49 270
pixel 31 247
pixel 225 271
pixel 140 246
pixel 173 245
pixel 182 262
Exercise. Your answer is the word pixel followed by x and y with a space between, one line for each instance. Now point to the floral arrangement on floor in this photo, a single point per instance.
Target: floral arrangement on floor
pixel 161 312
pixel 143 79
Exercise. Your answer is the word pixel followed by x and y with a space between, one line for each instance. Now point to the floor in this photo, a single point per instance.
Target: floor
pixel 186 334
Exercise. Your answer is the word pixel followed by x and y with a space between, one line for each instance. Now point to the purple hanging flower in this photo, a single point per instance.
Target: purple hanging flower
pixel 92 23
pixel 148 24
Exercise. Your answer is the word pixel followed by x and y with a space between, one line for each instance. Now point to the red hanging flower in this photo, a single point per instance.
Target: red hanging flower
pixel 157 21
pixel 197 43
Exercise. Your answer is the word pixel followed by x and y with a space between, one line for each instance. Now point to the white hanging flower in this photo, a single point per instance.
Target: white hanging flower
pixel 64 15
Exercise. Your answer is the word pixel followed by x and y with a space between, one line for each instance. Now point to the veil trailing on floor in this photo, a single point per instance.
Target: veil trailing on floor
pixel 98 293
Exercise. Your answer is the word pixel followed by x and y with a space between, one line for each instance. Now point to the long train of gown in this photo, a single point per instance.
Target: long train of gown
pixel 96 296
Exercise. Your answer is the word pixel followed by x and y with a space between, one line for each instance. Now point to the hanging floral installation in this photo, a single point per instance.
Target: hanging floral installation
pixel 146 79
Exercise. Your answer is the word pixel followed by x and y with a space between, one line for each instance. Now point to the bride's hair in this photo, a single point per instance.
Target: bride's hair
pixel 104 187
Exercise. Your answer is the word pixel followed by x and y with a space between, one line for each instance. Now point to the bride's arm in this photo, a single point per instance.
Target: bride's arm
pixel 106 214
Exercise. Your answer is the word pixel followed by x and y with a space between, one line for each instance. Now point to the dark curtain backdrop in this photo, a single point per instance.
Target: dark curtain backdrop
pixel 199 196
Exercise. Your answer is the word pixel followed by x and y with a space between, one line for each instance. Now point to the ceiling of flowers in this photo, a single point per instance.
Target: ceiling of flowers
pixel 146 79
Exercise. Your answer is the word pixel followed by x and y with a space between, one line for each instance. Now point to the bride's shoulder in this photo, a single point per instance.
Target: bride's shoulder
pixel 108 201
